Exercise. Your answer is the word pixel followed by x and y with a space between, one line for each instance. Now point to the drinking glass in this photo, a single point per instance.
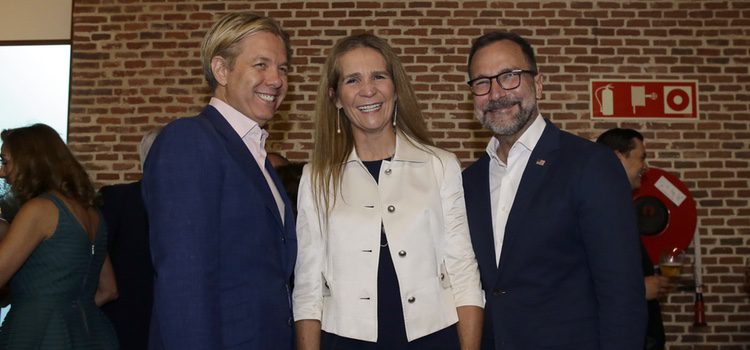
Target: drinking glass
pixel 670 264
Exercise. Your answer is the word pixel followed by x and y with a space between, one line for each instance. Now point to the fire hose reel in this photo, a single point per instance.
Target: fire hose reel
pixel 666 211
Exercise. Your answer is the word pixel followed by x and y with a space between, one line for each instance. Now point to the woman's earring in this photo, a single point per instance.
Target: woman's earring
pixel 338 121
pixel 395 115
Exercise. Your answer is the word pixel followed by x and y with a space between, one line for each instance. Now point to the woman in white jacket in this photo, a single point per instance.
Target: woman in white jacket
pixel 385 259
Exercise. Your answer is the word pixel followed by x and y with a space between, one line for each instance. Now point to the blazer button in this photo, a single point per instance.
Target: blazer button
pixel 402 253
pixel 411 300
pixel 388 171
pixel 498 292
pixel 391 209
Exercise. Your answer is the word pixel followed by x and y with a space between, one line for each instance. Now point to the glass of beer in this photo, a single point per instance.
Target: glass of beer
pixel 670 263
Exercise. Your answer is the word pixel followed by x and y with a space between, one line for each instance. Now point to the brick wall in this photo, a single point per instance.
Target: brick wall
pixel 136 65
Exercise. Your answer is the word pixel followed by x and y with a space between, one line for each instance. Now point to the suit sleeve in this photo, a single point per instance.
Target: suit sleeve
pixel 609 232
pixel 460 261
pixel 182 188
pixel 308 285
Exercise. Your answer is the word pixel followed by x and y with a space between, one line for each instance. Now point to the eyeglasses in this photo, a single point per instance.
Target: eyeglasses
pixel 507 80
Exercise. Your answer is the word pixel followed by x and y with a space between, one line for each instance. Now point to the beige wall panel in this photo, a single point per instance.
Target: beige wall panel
pixel 35 19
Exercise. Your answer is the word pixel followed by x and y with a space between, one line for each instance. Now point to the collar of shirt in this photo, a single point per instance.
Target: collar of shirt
pixel 528 140
pixel 254 138
pixel 247 128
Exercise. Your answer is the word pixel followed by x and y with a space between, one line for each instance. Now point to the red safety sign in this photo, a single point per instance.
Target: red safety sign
pixel 644 99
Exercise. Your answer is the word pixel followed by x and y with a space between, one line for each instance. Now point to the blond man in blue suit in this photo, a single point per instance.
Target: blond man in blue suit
pixel 222 230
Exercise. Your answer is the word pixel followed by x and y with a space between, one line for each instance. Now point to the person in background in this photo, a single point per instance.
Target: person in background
pixel 559 260
pixel 4 290
pixel 55 251
pixel 127 224
pixel 4 226
pixel 630 150
pixel 290 175
pixel 385 259
pixel 222 234
pixel 277 160
pixel 8 206
pixel 8 209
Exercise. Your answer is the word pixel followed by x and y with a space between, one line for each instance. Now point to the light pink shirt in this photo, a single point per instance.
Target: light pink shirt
pixel 505 178
pixel 254 138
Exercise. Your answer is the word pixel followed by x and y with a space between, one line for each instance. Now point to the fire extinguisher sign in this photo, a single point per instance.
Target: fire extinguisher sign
pixel 644 99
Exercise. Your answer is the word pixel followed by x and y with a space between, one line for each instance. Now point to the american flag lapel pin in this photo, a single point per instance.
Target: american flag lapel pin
pixel 540 162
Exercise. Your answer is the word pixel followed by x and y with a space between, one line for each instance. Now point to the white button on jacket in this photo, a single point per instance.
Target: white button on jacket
pixel 419 199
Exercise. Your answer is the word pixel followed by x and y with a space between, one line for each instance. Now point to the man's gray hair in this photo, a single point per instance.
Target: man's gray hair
pixel 146 142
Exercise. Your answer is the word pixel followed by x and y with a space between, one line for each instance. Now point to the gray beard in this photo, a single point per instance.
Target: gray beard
pixel 519 121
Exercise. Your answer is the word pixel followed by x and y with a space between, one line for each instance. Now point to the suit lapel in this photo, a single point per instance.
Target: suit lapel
pixel 479 210
pixel 282 192
pixel 288 230
pixel 245 160
pixel 541 160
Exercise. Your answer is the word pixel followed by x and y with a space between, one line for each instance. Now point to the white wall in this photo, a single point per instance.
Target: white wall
pixel 35 19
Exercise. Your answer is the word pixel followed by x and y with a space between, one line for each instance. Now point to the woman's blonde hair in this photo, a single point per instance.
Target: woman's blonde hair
pixel 331 149
pixel 223 38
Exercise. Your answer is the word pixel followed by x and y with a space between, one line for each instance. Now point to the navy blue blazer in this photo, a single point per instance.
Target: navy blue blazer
pixel 222 256
pixel 127 233
pixel 569 275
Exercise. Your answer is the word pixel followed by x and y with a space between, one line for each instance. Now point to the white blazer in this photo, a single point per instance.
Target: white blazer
pixel 420 201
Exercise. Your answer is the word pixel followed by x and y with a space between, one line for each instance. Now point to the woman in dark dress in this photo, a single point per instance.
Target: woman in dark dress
pixel 385 259
pixel 55 251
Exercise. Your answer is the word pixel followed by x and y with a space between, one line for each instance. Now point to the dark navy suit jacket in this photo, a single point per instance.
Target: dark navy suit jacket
pixel 569 275
pixel 222 256
pixel 127 228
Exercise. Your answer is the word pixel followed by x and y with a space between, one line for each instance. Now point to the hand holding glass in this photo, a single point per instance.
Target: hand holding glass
pixel 671 263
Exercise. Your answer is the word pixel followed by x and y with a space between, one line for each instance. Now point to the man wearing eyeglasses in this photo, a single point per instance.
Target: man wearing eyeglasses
pixel 559 259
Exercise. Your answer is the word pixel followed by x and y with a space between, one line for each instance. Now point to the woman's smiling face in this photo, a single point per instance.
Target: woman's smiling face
pixel 366 91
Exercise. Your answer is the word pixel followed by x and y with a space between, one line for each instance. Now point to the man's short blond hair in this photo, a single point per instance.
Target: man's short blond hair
pixel 223 38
